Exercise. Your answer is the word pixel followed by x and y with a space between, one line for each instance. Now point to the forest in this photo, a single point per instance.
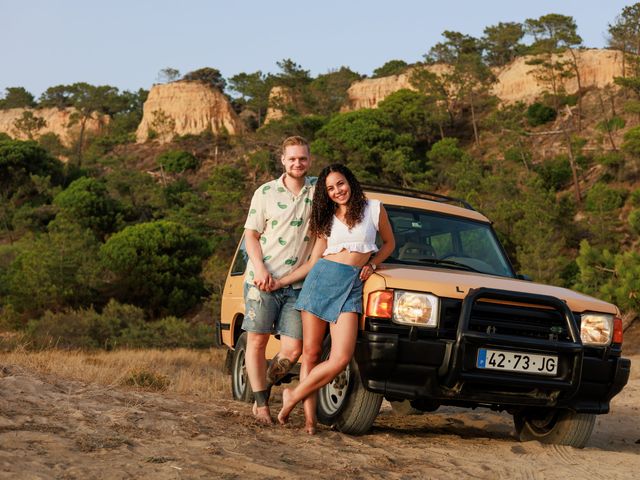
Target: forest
pixel 108 243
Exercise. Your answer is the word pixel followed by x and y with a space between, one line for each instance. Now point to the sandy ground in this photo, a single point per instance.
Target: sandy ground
pixel 56 428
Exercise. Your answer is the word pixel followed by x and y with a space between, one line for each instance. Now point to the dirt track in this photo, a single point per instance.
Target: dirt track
pixel 55 428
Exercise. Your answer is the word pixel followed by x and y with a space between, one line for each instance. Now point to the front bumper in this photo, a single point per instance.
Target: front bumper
pixel 407 363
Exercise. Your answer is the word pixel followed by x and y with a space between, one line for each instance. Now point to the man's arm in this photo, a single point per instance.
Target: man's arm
pixel 262 278
pixel 301 272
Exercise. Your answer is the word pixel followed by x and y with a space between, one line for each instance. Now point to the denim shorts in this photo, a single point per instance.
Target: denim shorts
pixel 272 312
pixel 330 289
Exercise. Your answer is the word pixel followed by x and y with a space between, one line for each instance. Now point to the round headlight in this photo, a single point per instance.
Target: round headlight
pixel 420 309
pixel 596 328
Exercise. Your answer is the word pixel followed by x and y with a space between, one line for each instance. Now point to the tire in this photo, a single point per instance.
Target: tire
pixel 560 427
pixel 344 403
pixel 240 386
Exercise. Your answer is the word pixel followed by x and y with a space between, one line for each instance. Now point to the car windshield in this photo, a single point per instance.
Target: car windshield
pixel 430 238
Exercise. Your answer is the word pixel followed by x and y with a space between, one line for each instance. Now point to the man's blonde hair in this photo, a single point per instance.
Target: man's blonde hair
pixel 294 140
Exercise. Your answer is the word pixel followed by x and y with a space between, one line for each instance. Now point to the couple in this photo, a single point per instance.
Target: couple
pixel 323 231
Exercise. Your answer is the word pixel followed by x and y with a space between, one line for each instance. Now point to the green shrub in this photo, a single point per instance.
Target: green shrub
pixel 51 143
pixel 517 155
pixel 87 203
pixel 611 159
pixel 602 198
pixel 178 161
pixel 392 67
pixel 631 143
pixel 634 198
pixel 555 173
pixel 146 380
pixel 570 100
pixel 118 326
pixel 67 329
pixel 612 277
pixel 55 270
pixel 21 163
pixel 156 266
pixel 634 220
pixel 539 114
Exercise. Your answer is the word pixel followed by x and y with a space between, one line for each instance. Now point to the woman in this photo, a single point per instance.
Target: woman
pixel 344 223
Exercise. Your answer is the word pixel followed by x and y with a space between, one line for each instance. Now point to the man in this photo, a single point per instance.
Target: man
pixel 277 242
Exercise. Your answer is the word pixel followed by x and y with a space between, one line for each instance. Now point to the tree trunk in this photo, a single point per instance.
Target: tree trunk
pixel 473 120
pixel 574 167
pixel 577 72
pixel 83 123
pixel 607 124
pixel 522 156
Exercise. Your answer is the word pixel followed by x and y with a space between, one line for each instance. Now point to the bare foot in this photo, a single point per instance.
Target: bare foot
pixel 262 414
pixel 310 427
pixel 287 406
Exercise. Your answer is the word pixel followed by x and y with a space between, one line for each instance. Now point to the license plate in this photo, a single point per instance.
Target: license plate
pixel 517 361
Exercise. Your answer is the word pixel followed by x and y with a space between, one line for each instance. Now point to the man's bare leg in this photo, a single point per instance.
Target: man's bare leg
pixel 285 359
pixel 256 365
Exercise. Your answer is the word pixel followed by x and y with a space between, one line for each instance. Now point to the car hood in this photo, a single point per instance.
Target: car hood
pixel 456 284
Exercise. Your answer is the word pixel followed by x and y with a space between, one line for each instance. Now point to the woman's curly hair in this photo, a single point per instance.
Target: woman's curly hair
pixel 324 208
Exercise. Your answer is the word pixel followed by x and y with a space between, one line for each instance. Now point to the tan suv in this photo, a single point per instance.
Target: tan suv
pixel 448 322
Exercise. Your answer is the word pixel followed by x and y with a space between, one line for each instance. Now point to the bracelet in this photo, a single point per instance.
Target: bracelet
pixel 373 266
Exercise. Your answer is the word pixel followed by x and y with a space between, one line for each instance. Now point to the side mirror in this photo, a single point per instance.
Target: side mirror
pixel 522 276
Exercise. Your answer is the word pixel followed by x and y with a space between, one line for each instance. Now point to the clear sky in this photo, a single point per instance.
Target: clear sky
pixel 126 43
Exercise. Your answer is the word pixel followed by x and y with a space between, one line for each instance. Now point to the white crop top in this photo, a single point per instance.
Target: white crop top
pixel 361 238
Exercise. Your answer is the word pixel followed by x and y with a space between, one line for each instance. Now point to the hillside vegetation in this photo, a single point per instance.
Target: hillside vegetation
pixel 128 245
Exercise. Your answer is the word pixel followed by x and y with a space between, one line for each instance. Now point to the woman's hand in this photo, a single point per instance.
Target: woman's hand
pixel 275 285
pixel 366 272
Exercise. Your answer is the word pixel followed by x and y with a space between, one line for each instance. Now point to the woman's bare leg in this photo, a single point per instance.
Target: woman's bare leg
pixel 343 341
pixel 313 329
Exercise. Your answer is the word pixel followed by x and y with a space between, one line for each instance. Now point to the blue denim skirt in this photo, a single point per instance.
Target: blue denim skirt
pixel 330 289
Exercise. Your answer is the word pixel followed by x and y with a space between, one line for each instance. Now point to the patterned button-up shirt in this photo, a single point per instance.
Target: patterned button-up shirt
pixel 282 219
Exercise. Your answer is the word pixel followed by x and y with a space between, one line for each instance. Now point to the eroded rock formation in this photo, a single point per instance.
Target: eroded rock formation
pixel 515 82
pixel 181 108
pixel 58 121
pixel 370 92
pixel 279 98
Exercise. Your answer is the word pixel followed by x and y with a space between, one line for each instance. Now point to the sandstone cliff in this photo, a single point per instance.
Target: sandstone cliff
pixel 181 108
pixel 57 121
pixel 370 92
pixel 279 98
pixel 597 68
pixel 515 82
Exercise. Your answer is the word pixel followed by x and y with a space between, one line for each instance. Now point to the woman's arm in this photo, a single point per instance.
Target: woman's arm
pixel 388 245
pixel 299 273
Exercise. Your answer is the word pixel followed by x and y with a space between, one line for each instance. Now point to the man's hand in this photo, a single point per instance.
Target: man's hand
pixel 275 284
pixel 262 279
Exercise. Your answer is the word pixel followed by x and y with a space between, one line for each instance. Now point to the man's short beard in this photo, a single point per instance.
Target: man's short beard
pixel 288 174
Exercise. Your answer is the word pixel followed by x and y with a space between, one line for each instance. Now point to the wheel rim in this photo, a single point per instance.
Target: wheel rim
pixel 543 425
pixel 332 396
pixel 240 375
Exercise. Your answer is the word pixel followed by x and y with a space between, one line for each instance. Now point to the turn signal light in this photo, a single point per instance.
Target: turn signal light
pixel 380 304
pixel 617 330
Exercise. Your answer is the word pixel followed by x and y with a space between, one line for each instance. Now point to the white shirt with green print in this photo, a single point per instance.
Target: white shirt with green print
pixel 282 219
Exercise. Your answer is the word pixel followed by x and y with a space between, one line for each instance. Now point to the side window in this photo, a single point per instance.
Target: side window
pixel 240 262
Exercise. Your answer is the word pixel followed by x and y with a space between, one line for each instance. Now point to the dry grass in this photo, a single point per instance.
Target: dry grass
pixel 181 371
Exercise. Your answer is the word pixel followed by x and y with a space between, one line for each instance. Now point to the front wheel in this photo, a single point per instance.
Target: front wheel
pixel 560 427
pixel 344 403
pixel 240 386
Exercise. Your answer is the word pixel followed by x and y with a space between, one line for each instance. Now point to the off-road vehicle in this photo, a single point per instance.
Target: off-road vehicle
pixel 449 322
